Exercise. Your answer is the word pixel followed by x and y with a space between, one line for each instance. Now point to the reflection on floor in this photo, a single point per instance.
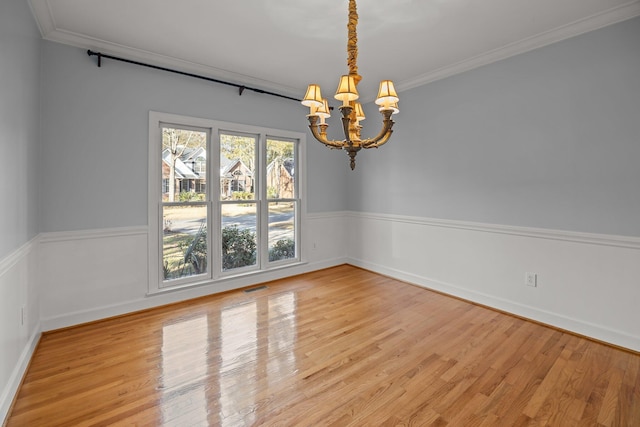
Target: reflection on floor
pixel 340 346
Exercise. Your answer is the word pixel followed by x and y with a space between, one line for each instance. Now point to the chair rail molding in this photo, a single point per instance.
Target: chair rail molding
pixel 586 283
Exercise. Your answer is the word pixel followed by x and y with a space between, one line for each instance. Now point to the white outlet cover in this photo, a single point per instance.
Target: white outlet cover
pixel 530 279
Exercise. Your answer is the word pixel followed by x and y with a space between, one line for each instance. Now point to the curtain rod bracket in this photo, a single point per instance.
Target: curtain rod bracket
pixel 240 90
pixel 98 54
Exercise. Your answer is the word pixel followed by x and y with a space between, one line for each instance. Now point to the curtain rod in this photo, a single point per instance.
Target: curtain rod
pixel 241 88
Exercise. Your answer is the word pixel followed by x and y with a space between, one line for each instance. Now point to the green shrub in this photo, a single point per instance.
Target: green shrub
pixel 272 193
pixel 238 248
pixel 242 195
pixel 187 196
pixel 283 249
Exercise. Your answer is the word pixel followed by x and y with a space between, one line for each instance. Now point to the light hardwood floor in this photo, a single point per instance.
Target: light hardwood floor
pixel 340 346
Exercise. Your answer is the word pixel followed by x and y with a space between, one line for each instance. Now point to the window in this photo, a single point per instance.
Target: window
pixel 248 222
pixel 281 198
pixel 184 214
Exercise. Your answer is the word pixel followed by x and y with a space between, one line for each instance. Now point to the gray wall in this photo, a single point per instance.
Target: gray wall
pixel 95 137
pixel 549 138
pixel 19 121
pixel 545 139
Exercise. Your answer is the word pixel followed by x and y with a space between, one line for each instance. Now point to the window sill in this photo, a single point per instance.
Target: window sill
pixel 262 275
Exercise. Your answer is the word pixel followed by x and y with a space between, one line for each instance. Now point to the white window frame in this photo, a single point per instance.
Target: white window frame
pixel 214 273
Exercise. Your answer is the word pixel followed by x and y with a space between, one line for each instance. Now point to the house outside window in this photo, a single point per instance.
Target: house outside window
pixel 247 224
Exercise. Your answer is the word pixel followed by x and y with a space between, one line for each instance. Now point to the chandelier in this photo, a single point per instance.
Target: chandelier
pixel 351 110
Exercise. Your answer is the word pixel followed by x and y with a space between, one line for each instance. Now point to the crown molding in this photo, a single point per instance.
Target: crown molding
pixel 49 31
pixel 140 55
pixel 44 18
pixel 609 17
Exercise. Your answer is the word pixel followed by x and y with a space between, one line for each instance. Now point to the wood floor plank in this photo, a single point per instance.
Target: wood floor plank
pixel 341 346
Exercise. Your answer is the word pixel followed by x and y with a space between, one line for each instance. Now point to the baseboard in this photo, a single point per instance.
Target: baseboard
pixel 586 283
pixel 590 330
pixel 13 385
pixel 156 300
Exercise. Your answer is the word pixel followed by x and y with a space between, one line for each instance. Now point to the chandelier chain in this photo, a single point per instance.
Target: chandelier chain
pixel 352 42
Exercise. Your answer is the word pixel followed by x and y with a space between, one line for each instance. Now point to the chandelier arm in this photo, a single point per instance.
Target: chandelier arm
pixel 321 135
pixel 383 135
pixel 346 123
pixel 380 142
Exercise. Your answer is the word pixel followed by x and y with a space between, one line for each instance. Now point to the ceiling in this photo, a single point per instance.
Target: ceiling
pixel 282 45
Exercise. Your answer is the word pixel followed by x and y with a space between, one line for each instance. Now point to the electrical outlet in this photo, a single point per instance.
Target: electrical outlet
pixel 531 279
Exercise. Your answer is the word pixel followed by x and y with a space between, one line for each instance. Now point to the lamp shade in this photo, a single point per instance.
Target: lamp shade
pixel 313 97
pixel 359 112
pixel 324 110
pixel 387 93
pixel 347 89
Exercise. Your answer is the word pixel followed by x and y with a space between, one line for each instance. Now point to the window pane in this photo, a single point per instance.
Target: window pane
pixel 184 241
pixel 280 169
pixel 239 235
pixel 237 167
pixel 183 153
pixel 281 231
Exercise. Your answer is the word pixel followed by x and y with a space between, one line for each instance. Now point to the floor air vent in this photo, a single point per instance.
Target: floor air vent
pixel 257 288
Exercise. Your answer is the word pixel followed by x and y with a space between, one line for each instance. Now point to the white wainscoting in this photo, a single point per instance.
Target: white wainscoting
pixel 94 274
pixel 586 283
pixel 19 333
